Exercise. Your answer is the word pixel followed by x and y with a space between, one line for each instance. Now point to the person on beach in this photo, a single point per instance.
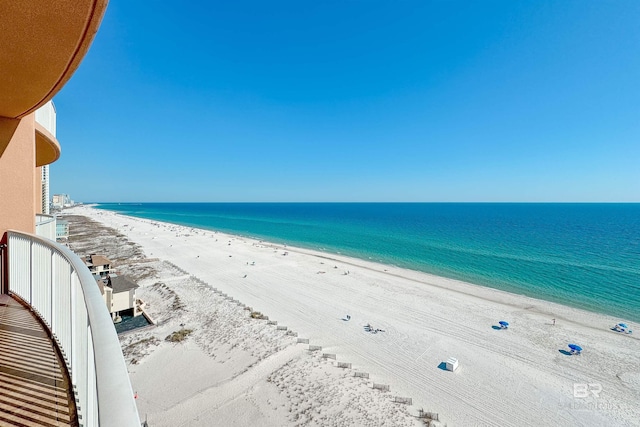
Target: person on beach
pixel 554 322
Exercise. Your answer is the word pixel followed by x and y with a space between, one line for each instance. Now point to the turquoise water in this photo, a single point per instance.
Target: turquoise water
pixel 581 255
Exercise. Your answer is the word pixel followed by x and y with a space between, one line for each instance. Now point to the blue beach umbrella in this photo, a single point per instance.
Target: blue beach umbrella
pixel 623 325
pixel 575 347
pixel 503 323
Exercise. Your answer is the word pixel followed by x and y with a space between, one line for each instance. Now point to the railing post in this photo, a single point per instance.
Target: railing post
pixel 74 330
pixel 51 283
pixel 3 268
pixel 72 316
pixel 31 255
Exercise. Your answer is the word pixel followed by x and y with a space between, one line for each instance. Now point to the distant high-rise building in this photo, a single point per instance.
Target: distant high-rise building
pixel 46 117
pixel 45 189
pixel 56 201
pixel 61 200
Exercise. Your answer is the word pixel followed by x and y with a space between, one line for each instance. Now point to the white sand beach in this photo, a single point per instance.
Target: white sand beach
pixel 234 370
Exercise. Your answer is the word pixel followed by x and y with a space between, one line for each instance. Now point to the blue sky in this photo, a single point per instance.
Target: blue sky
pixel 356 100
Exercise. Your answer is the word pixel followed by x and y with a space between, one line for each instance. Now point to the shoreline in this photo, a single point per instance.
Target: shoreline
pixel 426 319
pixel 510 285
pixel 485 292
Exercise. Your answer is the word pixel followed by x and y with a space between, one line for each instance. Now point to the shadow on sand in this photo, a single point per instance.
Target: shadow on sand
pixel 497 328
pixel 442 366
pixel 565 352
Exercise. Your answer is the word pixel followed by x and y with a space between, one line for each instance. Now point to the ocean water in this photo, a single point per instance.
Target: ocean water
pixel 581 255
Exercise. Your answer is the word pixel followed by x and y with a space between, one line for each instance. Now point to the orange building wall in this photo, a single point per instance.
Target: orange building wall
pixel 18 179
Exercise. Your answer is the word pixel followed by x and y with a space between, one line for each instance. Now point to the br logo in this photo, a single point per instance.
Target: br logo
pixel 586 390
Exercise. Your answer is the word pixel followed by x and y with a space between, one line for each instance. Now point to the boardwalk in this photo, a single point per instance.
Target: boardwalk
pixel 34 390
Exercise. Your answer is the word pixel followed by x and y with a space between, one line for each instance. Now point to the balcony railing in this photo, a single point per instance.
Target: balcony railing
pixel 46 226
pixel 61 291
pixel 46 116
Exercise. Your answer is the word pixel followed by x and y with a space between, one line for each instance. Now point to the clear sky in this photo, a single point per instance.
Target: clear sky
pixel 355 100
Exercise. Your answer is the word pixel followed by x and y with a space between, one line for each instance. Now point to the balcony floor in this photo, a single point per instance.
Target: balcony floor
pixel 34 389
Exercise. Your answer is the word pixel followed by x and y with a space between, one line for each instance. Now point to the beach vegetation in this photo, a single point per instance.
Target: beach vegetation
pixel 149 340
pixel 137 350
pixel 143 273
pixel 179 336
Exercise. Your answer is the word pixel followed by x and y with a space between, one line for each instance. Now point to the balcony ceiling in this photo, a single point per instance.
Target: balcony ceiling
pixel 41 45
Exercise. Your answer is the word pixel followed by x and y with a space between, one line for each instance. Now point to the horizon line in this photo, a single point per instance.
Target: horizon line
pixel 372 202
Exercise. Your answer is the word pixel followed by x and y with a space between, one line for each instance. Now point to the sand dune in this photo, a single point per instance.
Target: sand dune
pixel 235 370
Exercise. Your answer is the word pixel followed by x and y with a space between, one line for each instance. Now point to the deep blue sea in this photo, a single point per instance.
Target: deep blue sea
pixel 581 255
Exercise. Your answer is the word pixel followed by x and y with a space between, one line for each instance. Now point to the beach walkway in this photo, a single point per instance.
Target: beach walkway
pixel 35 389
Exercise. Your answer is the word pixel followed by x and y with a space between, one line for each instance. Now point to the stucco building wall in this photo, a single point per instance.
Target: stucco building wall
pixel 18 179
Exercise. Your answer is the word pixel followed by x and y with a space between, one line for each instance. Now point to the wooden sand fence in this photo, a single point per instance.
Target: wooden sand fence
pixel 427 416
pixel 177 268
pixel 432 416
pixel 381 387
pixel 403 400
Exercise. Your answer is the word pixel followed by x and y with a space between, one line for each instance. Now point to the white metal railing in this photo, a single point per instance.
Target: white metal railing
pixel 63 293
pixel 46 226
pixel 46 116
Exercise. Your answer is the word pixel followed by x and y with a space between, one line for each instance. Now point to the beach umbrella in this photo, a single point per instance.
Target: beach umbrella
pixel 623 325
pixel 575 347
pixel 503 323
